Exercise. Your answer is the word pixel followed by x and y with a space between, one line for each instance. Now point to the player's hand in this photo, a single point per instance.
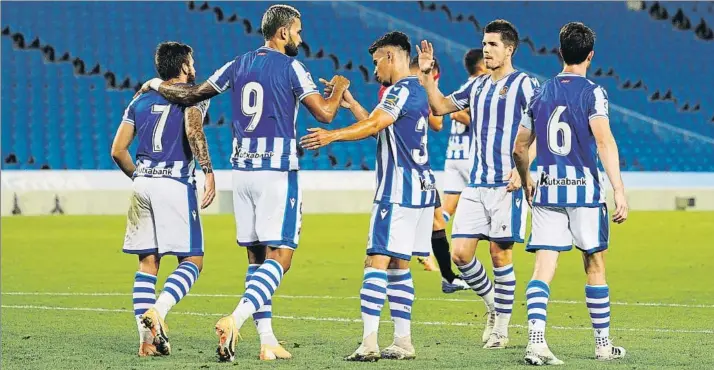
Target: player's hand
pixel 346 97
pixel 147 86
pixel 426 56
pixel 340 82
pixel 317 138
pixel 209 191
pixel 621 208
pixel 529 191
pixel 514 181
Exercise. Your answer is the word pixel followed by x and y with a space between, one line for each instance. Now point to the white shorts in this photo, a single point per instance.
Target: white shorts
pixel 400 232
pixel 558 228
pixel 268 208
pixel 491 213
pixel 163 218
pixel 456 175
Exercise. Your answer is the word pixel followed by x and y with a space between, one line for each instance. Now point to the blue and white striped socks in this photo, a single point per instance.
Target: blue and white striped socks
pixel 504 279
pixel 537 293
pixel 144 295
pixel 259 291
pixel 474 274
pixel 264 316
pixel 597 298
pixel 372 295
pixel 176 287
pixel 400 292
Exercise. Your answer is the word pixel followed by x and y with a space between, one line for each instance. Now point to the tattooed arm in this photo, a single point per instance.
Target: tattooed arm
pixel 193 116
pixel 180 94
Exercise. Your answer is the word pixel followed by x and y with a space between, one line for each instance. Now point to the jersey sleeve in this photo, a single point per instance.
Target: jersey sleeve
pixel 394 100
pixel 528 87
pixel 221 78
pixel 597 105
pixel 129 112
pixel 301 80
pixel 527 116
pixel 461 96
pixel 202 106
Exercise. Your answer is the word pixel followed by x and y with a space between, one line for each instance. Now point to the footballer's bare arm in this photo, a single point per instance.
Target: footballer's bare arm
pixel 180 94
pixel 376 122
pixel 120 148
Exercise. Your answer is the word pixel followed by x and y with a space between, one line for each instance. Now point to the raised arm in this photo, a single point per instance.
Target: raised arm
pixel 440 105
pixel 325 109
pixel 180 94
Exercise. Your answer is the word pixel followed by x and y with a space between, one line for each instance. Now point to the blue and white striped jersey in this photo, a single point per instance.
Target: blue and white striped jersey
pixel 496 110
pixel 404 175
pixel 163 149
pixel 567 160
pixel 267 87
pixel 459 137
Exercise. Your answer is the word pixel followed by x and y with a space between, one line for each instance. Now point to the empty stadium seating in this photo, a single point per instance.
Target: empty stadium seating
pixel 55 118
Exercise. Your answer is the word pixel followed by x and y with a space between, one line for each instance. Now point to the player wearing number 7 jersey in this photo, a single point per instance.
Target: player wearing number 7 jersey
pixel 568 117
pixel 266 85
pixel 163 216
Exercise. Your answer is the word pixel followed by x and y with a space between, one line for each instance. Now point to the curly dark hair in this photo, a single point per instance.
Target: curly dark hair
pixel 394 38
pixel 169 58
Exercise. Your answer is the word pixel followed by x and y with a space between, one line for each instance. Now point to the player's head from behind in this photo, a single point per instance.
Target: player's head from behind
pixel 500 41
pixel 576 44
pixel 390 55
pixel 174 60
pixel 282 26
pixel 414 69
pixel 473 62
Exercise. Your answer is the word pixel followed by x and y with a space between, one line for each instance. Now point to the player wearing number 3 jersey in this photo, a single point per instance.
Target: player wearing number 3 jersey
pixel 568 117
pixel 267 85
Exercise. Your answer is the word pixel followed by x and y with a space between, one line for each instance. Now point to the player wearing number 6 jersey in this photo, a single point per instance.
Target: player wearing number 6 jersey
pixel 266 85
pixel 163 217
pixel 403 208
pixel 568 117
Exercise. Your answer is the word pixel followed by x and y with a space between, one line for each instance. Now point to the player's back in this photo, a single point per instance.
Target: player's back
pixel 459 137
pixel 163 149
pixel 404 174
pixel 267 87
pixel 567 159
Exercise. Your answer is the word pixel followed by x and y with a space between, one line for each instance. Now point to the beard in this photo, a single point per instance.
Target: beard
pixel 191 78
pixel 291 49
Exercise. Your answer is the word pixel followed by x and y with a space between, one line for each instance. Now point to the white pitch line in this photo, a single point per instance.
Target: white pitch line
pixel 341 319
pixel 111 294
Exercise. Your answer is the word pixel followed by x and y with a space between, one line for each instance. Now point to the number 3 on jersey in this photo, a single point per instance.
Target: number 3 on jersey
pixel 252 107
pixel 558 129
pixel 421 155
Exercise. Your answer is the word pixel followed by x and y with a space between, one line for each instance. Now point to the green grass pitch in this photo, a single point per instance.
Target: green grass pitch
pixel 66 299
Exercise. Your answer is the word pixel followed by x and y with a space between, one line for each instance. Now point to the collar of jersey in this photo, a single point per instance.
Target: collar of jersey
pixel 569 74
pixel 404 78
pixel 267 48
pixel 502 78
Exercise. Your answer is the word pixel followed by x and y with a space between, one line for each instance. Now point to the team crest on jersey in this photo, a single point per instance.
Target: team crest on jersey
pixel 503 92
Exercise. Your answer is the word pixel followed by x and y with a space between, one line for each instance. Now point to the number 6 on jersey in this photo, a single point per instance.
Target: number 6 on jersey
pixel 557 128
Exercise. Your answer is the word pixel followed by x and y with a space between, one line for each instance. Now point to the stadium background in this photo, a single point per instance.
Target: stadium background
pixel 70 68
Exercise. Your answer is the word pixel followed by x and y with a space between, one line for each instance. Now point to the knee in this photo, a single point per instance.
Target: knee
pixel 501 256
pixel 149 264
pixel 460 254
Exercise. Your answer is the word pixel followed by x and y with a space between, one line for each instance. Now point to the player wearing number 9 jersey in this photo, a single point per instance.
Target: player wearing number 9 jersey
pixel 568 117
pixel 267 85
